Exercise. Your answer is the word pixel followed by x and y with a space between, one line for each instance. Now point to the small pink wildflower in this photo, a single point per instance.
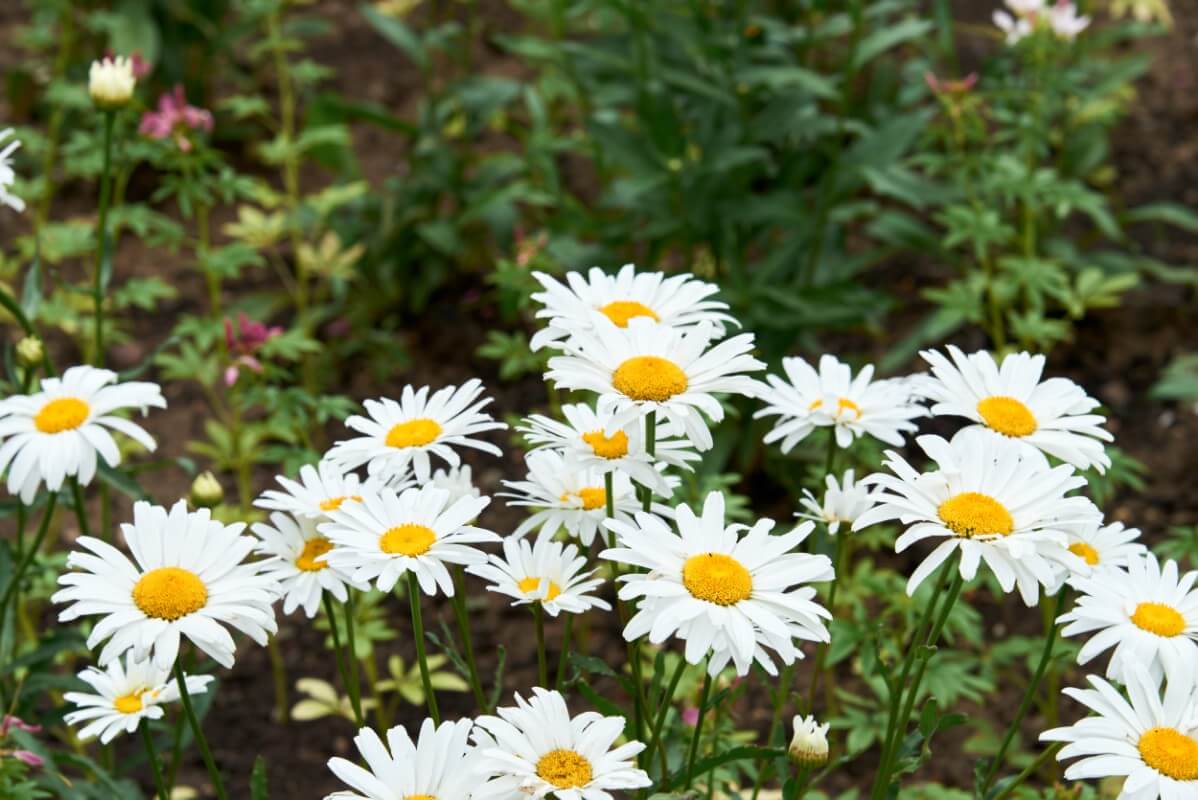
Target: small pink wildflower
pixel 244 344
pixel 175 118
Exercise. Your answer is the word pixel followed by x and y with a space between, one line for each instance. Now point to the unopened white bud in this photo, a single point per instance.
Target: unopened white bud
pixel 809 745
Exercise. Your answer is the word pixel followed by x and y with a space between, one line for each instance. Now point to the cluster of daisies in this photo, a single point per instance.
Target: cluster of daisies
pixel 659 358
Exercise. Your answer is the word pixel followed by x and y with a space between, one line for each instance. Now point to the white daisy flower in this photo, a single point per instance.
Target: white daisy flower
pixel 1103 547
pixel 1148 614
pixel 832 397
pixel 403 434
pixel 439 764
pixel 843 502
pixel 8 175
pixel 568 495
pixel 729 595
pixel 296 561
pixel 547 572
pixel 809 745
pixel 992 500
pixel 458 481
pixel 110 81
pixel 125 694
pixel 186 579
pixel 59 431
pixel 585 435
pixel 1011 400
pixel 320 488
pixel 645 368
pixel 538 749
pixel 1149 739
pixel 678 301
pixel 391 533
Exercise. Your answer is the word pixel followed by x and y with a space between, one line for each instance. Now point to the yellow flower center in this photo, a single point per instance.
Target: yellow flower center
pixel 530 585
pixel 129 703
pixel 717 578
pixel 614 446
pixel 1007 415
pixel 843 404
pixel 63 414
pixel 1159 618
pixel 973 515
pixel 1170 752
pixel 593 497
pixel 620 311
pixel 170 593
pixel 334 503
pixel 649 378
pixel 1084 552
pixel 409 539
pixel 314 548
pixel 565 769
pixel 413 433
pixel 419 797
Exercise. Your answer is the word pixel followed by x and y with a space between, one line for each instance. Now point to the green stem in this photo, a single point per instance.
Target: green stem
pixel 459 612
pixel 785 682
pixel 651 449
pixel 1029 695
pixel 694 748
pixel 418 635
pixel 148 741
pixel 662 709
pixel 29 555
pixel 538 615
pixel 330 614
pixel 198 733
pixel 563 659
pixel 1030 769
pixel 278 672
pixel 632 648
pixel 80 509
pixel 351 659
pixel 102 239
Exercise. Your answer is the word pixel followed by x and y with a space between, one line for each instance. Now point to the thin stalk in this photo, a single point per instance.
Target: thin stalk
pixel 632 648
pixel 418 635
pixel 176 750
pixel 102 239
pixel 198 733
pixel 651 449
pixel 563 659
pixel 538 615
pixel 80 510
pixel 148 741
pixel 662 710
pixel 1031 768
pixel 785 682
pixel 330 613
pixel 704 694
pixel 459 612
pixel 822 654
pixel 27 559
pixel 278 672
pixel 1029 695
pixel 351 659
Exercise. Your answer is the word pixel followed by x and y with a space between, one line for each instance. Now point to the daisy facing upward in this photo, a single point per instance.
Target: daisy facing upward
pixel 439 764
pixel 547 572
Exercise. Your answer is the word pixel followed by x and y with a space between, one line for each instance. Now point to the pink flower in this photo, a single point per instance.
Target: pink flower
pixel 176 118
pixel 11 721
pixel 30 758
pixel 244 344
pixel 690 716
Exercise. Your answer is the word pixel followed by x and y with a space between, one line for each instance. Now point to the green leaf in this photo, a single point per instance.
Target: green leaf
pixel 397 33
pixel 258 780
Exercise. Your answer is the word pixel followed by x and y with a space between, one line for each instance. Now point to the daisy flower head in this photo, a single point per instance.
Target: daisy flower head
pixel 59 431
pixel 547 572
pixel 439 764
pixel 1010 400
pixel 8 176
pixel 296 551
pixel 843 502
pixel 403 434
pixel 731 591
pixel 677 301
pixel 645 368
pixel 832 397
pixel 566 494
pixel 809 744
pixel 1149 614
pixel 536 748
pixel 1103 547
pixel 586 436
pixel 187 578
pixel 416 530
pixel 990 499
pixel 125 694
pixel 320 488
pixel 1149 738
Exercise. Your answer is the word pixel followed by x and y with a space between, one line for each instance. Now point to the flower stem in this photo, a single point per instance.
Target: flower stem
pixel 564 658
pixel 278 672
pixel 418 635
pixel 1029 769
pixel 694 748
pixel 80 508
pixel 196 731
pixel 351 659
pixel 330 613
pixel 148 741
pixel 459 612
pixel 27 559
pixel 538 615
pixel 662 710
pixel 102 239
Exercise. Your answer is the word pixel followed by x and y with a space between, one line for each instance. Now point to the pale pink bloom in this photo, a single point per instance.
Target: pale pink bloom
pixel 175 118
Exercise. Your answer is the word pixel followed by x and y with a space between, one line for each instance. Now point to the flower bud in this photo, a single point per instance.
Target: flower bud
pixel 30 351
pixel 206 491
pixel 111 81
pixel 809 746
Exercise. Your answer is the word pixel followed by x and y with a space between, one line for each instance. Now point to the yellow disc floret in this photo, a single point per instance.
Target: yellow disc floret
pixel 129 703
pixel 604 446
pixel 649 378
pixel 408 539
pixel 620 311
pixel 530 585
pixel 314 548
pixel 593 497
pixel 1170 752
pixel 170 593
pixel 565 769
pixel 974 515
pixel 1007 415
pixel 1085 552
pixel 1159 618
pixel 62 414
pixel 413 433
pixel 334 503
pixel 717 578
